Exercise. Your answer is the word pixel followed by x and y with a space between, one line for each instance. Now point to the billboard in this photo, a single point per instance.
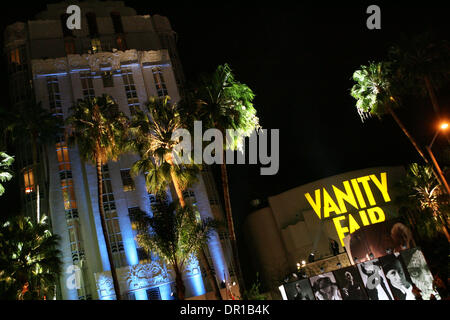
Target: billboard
pixel 325 287
pixel 299 290
pixel 350 283
pixel 419 272
pixel 352 203
pixel 378 240
pixel 374 280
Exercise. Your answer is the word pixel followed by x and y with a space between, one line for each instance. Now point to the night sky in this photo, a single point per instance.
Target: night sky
pixel 299 59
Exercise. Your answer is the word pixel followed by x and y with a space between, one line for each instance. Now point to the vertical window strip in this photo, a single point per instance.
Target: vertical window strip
pixel 130 90
pixel 54 96
pixel 159 82
pixel 67 187
pixel 127 180
pixel 112 221
pixel 87 85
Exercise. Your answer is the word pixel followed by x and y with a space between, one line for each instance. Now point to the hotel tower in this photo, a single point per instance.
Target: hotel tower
pixel 130 57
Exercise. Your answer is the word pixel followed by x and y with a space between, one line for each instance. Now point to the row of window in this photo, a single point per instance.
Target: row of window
pixel 95 44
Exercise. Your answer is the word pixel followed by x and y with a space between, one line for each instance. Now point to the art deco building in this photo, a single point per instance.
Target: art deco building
pixel 130 57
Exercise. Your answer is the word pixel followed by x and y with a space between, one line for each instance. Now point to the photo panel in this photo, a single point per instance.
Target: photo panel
pixel 374 280
pixel 375 241
pixel 325 287
pixel 299 290
pixel 350 283
pixel 397 277
pixel 419 272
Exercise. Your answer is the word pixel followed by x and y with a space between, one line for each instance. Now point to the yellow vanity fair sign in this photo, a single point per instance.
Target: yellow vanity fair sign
pixel 336 203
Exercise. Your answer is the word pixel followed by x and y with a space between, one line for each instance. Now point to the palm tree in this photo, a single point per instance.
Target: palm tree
pixel 98 128
pixel 30 262
pixel 151 136
pixel 374 92
pixel 30 122
pixel 223 103
pixel 421 186
pixel 422 64
pixel 176 234
pixel 5 171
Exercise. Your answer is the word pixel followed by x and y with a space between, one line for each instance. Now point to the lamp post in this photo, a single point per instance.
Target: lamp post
pixel 442 127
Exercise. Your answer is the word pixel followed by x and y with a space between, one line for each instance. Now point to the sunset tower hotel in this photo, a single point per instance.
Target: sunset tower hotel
pixel 130 57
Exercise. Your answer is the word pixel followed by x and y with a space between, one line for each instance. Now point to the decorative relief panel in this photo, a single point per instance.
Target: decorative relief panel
pixel 97 60
pixel 141 276
pixel 133 278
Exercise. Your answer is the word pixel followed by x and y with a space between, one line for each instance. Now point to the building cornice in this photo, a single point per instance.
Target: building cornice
pixel 94 62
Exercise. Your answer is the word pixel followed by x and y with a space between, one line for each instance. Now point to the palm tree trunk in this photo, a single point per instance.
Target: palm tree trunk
pixel 178 189
pixel 229 215
pixel 432 95
pixel 105 230
pixel 180 288
pixel 35 172
pixel 209 274
pixel 202 256
pixel 405 131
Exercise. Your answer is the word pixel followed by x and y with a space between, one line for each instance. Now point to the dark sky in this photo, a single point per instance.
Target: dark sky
pixel 299 58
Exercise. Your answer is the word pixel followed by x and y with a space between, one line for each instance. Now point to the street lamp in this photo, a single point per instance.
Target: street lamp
pixel 442 127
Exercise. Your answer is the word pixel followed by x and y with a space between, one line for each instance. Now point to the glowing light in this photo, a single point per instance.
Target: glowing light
pixel 444 126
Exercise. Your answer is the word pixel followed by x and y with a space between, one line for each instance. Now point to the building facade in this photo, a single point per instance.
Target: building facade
pixel 130 57
pixel 305 220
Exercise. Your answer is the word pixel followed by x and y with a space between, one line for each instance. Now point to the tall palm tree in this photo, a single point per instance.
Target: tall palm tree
pixel 374 92
pixel 223 103
pixel 30 261
pixel 98 128
pixel 424 192
pixel 423 64
pixel 151 136
pixel 31 123
pixel 176 234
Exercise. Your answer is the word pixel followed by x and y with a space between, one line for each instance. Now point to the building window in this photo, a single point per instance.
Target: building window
pixel 75 244
pixel 121 43
pixel 153 294
pixel 92 24
pixel 66 31
pixel 159 82
pixel 117 22
pixel 62 153
pixel 189 194
pixel 69 45
pixel 87 85
pixel 96 45
pixel 130 90
pixel 158 202
pixel 68 194
pixel 108 80
pixel 112 221
pixel 28 177
pixel 143 255
pixel 127 180
pixel 17 59
pixel 131 213
pixel 54 96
